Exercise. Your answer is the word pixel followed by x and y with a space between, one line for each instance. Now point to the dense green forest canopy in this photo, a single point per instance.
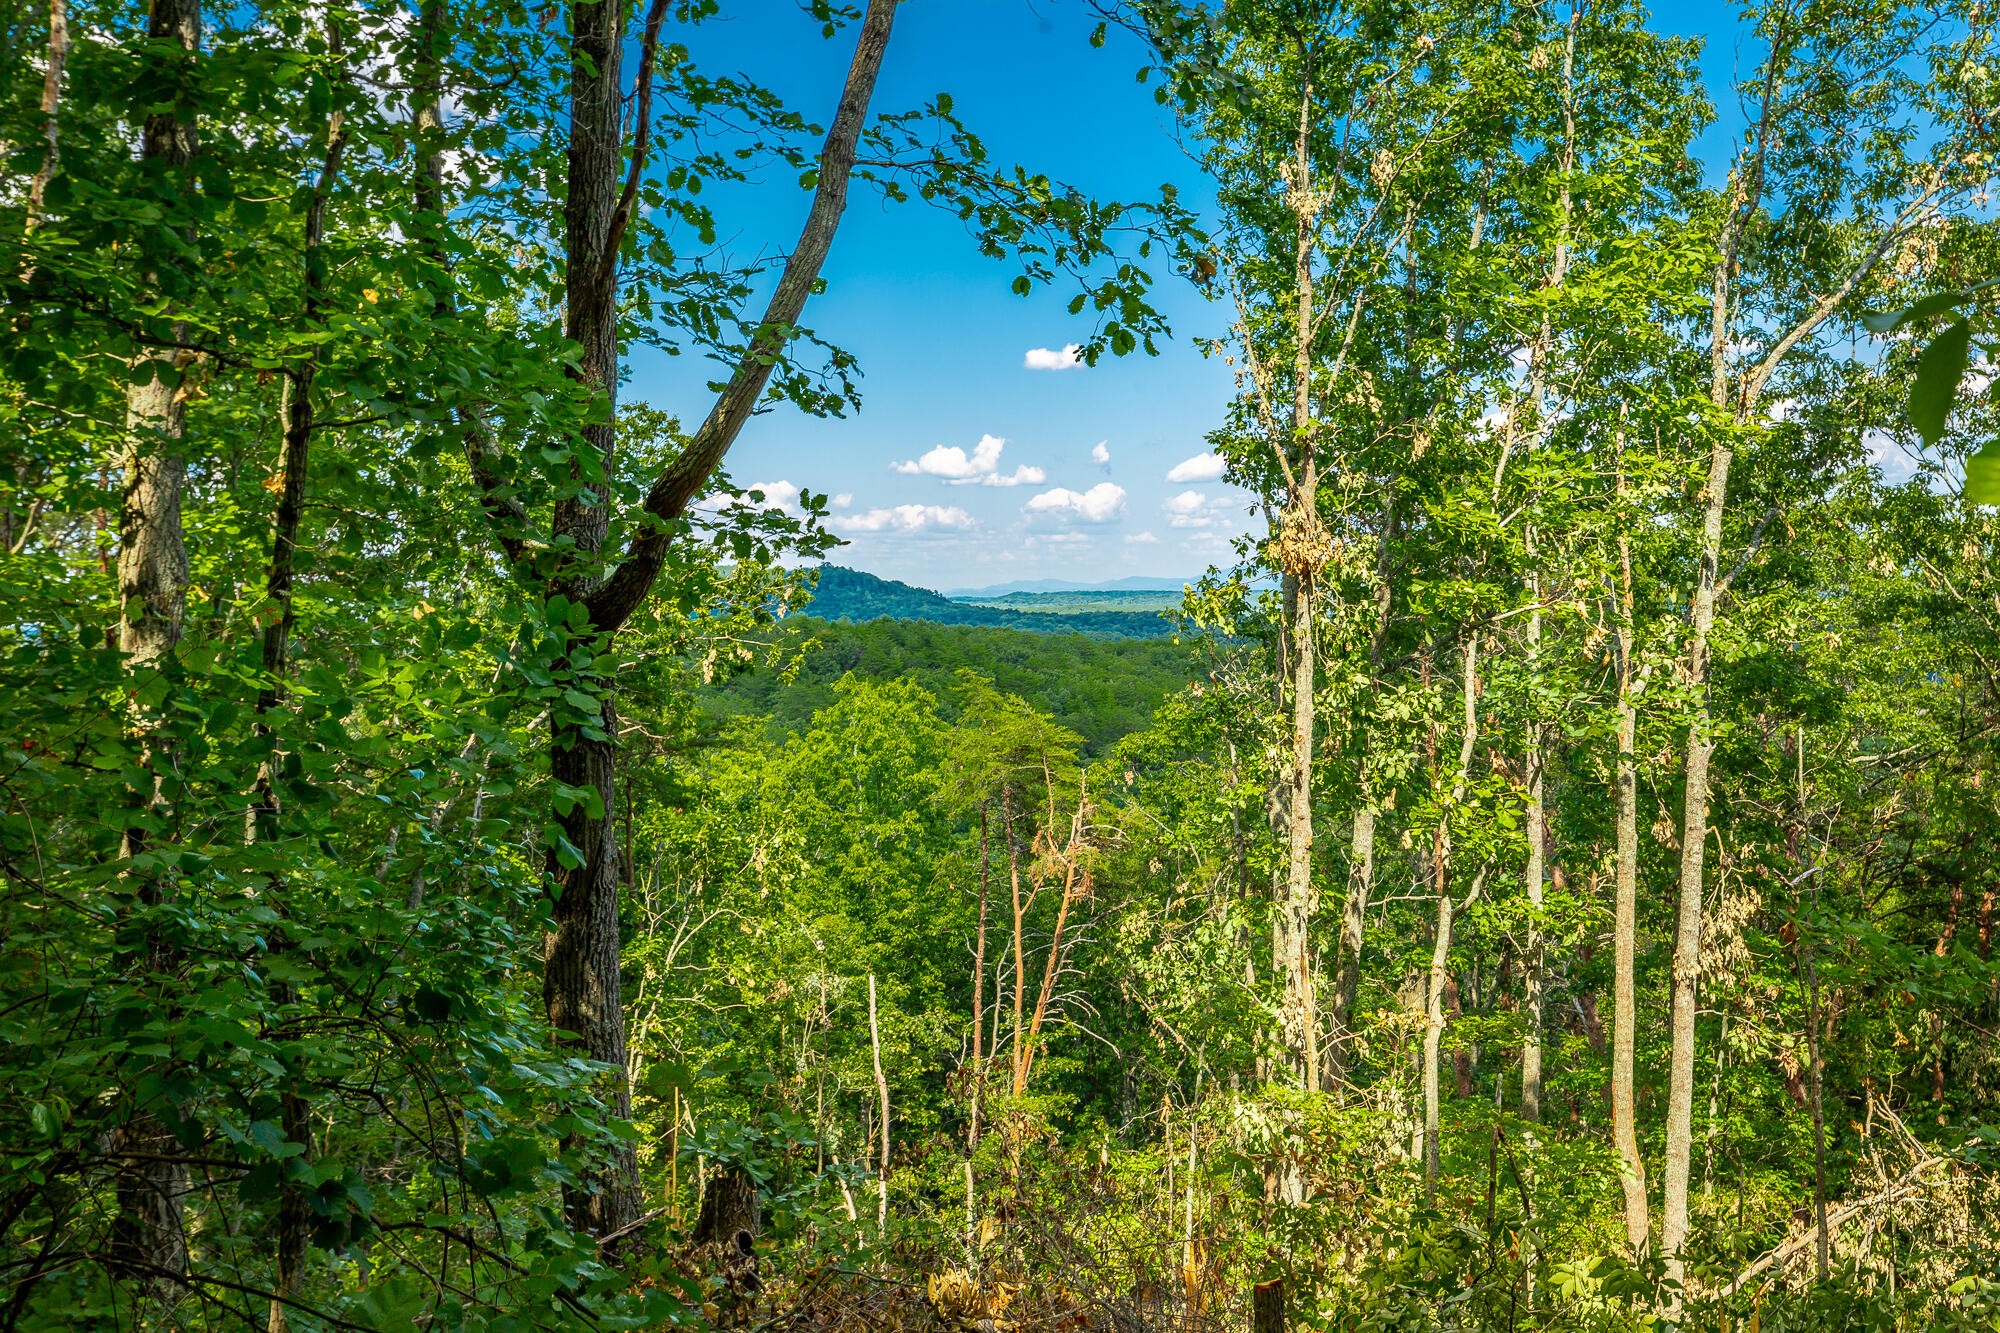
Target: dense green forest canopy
pixel 1102 688
pixel 454 875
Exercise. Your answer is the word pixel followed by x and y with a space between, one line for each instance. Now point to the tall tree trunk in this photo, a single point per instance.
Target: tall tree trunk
pixel 1441 943
pixel 580 978
pixel 1361 835
pixel 881 1091
pixel 147 1234
pixel 1301 540
pixel 1434 1015
pixel 1298 1017
pixel 52 83
pixel 580 982
pixel 1625 900
pixel 294 1113
pixel 978 1003
pixel 1678 1165
pixel 1353 923
pixel 1687 940
pixel 1536 959
pixel 978 1068
pixel 1020 947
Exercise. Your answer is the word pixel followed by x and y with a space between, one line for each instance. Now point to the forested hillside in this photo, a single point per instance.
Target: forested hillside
pixel 849 594
pixel 454 877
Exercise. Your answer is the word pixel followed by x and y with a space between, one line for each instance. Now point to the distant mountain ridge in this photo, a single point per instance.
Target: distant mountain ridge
pixel 1136 583
pixel 850 594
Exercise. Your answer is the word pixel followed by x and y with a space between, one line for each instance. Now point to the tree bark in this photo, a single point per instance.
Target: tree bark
pixel 728 1206
pixel 1625 899
pixel 1441 944
pixel 1300 541
pixel 1361 836
pixel 1536 960
pixel 1267 1308
pixel 294 1112
pixel 1679 1161
pixel 1353 923
pixel 147 1234
pixel 881 1091
pixel 52 82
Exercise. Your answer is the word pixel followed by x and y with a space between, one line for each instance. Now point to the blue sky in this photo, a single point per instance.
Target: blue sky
pixel 967 465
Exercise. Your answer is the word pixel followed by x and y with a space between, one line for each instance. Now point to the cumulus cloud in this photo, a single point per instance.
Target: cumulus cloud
pixel 909 518
pixel 1101 452
pixel 1193 509
pixel 981 467
pixel 1140 539
pixel 1202 467
pixel 1100 504
pixel 1067 357
pixel 777 494
pixel 843 500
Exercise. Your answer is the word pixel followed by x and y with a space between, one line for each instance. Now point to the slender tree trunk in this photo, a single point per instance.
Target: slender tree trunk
pixel 294 1112
pixel 1809 951
pixel 882 1092
pixel 978 1010
pixel 147 1232
pixel 1434 1018
pixel 1299 1018
pixel 1301 540
pixel 1020 947
pixel 1361 837
pixel 1441 944
pixel 52 83
pixel 1353 923
pixel 1625 899
pixel 1076 884
pixel 1694 841
pixel 1536 960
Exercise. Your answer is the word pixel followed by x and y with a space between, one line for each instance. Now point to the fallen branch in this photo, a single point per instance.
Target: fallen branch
pixel 635 1224
pixel 1907 1184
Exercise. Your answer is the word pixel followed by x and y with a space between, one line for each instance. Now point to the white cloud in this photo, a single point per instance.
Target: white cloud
pixel 843 500
pixel 1140 539
pixel 1100 504
pixel 1202 467
pixel 980 467
pixel 1192 509
pixel 1068 357
pixel 909 518
pixel 1101 452
pixel 777 495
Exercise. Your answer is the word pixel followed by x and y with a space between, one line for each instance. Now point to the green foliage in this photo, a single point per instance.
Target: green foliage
pixel 1103 689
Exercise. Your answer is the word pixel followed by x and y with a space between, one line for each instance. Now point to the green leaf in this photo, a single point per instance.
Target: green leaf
pixel 1939 368
pixel 1888 321
pixel 1982 476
